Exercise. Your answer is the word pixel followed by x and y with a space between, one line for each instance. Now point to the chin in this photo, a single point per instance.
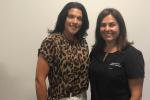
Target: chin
pixel 108 39
pixel 74 32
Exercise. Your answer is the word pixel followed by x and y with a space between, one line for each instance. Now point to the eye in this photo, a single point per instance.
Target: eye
pixel 102 25
pixel 113 24
pixel 70 16
pixel 79 18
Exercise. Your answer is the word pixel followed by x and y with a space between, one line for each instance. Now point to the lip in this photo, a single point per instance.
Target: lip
pixel 74 27
pixel 107 34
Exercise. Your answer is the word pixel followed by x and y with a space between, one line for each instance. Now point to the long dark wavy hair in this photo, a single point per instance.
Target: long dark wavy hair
pixel 121 41
pixel 60 24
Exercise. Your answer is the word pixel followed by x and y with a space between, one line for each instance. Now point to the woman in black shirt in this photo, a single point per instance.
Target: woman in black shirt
pixel 117 68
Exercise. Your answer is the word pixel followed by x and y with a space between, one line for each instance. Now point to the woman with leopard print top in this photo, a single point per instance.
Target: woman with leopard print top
pixel 63 57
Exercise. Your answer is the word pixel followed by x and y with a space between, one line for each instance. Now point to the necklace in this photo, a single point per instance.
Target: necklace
pixel 105 56
pixel 110 49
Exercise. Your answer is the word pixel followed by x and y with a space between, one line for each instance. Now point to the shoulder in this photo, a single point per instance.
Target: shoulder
pixel 83 41
pixel 132 54
pixel 94 53
pixel 131 50
pixel 134 63
pixel 53 38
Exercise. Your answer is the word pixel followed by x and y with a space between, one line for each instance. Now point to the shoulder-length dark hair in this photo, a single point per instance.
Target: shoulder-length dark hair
pixel 60 24
pixel 122 41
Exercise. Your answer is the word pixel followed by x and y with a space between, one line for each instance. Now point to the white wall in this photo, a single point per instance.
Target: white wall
pixel 23 25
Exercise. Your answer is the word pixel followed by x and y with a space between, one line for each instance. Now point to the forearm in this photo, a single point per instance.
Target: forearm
pixel 136 97
pixel 136 87
pixel 41 90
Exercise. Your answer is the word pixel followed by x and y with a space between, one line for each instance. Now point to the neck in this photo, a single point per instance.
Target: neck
pixel 111 47
pixel 69 36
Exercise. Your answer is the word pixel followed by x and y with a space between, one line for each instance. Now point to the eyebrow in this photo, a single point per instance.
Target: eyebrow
pixel 108 22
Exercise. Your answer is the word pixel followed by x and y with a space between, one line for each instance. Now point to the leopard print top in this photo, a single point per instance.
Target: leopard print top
pixel 68 64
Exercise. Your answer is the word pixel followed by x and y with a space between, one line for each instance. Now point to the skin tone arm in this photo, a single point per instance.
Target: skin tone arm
pixel 41 74
pixel 136 86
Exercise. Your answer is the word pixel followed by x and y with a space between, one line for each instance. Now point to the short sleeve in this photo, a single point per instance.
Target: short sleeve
pixel 134 64
pixel 47 50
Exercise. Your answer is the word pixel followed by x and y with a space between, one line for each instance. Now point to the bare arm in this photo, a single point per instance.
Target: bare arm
pixel 136 86
pixel 41 74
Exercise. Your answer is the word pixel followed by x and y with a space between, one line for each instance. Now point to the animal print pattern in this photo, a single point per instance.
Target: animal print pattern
pixel 68 62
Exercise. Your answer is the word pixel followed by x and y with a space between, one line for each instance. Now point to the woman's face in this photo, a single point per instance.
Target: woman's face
pixel 73 21
pixel 109 29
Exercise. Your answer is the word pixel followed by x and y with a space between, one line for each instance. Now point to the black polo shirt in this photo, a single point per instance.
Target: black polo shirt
pixel 109 78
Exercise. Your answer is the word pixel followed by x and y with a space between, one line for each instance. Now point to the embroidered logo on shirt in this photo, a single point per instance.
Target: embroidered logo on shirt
pixel 115 64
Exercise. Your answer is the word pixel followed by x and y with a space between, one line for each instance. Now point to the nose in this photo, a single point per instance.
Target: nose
pixel 107 28
pixel 75 20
